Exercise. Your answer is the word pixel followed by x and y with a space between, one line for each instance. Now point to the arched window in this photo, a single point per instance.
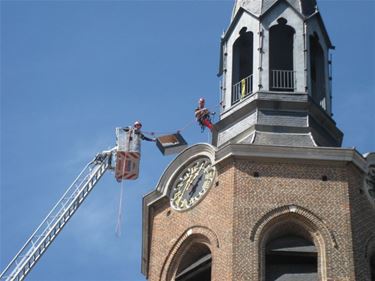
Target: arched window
pixel 242 66
pixel 195 264
pixel 281 57
pixel 317 71
pixel 290 254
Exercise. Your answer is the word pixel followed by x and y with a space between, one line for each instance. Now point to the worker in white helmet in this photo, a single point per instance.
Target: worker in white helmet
pixel 203 115
pixel 137 126
pixel 137 130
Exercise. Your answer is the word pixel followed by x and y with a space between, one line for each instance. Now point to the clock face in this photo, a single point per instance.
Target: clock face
pixel 191 184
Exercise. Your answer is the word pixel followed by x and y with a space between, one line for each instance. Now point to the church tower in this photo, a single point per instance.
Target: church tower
pixel 274 197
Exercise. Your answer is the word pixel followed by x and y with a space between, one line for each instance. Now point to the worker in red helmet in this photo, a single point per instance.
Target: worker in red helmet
pixel 137 126
pixel 203 115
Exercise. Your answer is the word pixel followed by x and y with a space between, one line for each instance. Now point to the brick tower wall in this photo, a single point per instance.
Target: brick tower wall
pixel 363 224
pixel 251 195
pixel 326 203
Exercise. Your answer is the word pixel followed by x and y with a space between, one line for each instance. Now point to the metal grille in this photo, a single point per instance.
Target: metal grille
pixel 242 89
pixel 283 80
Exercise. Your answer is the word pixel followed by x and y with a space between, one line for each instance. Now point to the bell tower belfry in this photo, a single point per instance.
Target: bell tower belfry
pixel 275 72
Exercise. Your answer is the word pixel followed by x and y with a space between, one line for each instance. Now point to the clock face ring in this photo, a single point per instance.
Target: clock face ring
pixel 192 184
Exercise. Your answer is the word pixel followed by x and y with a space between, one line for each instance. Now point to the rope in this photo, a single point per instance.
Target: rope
pixel 119 213
pixel 160 133
pixel 188 124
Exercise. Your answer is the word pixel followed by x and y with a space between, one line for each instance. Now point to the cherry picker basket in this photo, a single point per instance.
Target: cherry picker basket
pixel 128 154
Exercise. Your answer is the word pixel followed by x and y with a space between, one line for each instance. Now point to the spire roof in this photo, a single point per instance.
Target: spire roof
pixel 259 7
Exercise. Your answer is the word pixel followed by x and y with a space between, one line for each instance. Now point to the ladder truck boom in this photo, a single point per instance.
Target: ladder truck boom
pixel 57 218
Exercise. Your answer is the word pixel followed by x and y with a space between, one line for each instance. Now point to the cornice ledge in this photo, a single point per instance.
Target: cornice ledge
pixel 287 152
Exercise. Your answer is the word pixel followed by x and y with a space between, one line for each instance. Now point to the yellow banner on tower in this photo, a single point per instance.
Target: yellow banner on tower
pixel 243 88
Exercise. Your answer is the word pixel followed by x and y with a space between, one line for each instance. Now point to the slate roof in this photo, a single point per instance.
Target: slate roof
pixel 259 7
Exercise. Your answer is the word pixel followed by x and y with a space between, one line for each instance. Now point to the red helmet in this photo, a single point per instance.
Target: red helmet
pixel 137 123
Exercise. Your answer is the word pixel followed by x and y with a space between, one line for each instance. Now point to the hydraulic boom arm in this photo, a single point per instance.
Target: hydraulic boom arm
pixel 54 222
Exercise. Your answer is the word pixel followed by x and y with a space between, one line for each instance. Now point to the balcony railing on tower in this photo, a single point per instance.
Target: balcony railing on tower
pixel 242 89
pixel 283 80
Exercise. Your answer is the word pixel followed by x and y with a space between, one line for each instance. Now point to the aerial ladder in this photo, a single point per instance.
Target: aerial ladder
pixel 57 218
pixel 126 167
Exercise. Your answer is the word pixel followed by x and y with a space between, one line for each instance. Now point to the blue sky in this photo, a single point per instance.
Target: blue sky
pixel 72 71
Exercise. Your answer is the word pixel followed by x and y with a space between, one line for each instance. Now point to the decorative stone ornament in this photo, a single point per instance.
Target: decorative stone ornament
pixel 370 184
pixel 192 183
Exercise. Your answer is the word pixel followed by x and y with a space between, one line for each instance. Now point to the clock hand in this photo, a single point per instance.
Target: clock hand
pixel 191 178
pixel 194 188
pixel 195 185
pixel 186 186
